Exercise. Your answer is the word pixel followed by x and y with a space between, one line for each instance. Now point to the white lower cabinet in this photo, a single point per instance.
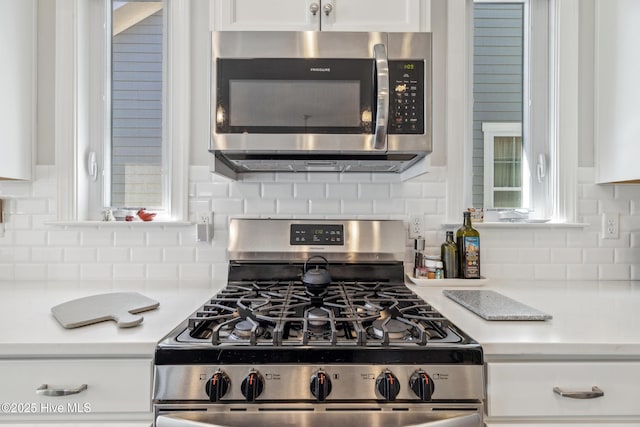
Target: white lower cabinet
pixel 528 393
pixel 526 424
pixel 90 391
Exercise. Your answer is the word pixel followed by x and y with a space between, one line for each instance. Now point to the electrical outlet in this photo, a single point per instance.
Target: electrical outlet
pixel 610 225
pixel 204 227
pixel 205 218
pixel 416 226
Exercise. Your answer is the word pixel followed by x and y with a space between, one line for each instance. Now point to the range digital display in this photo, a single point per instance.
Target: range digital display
pixel 317 234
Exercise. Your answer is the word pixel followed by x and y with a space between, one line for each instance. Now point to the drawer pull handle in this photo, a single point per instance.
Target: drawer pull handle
pixel 44 390
pixel 595 392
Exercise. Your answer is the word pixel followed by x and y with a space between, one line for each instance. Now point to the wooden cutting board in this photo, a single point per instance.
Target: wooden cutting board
pixel 121 307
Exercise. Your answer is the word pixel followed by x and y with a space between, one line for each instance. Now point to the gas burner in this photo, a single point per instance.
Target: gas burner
pixel 318 316
pixel 368 308
pixel 392 328
pixel 257 303
pixel 252 302
pixel 244 329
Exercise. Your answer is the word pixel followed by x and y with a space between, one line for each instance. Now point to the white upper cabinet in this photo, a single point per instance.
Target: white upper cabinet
pixel 17 87
pixel 373 15
pixel 316 15
pixel 617 130
pixel 259 15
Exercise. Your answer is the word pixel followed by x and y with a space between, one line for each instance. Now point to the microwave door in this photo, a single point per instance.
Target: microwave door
pixel 382 110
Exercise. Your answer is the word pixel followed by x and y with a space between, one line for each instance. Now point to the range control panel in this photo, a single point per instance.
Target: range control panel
pixel 317 382
pixel 317 234
pixel 406 103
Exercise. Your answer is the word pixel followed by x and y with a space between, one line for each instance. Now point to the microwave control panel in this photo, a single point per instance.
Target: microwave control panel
pixel 406 103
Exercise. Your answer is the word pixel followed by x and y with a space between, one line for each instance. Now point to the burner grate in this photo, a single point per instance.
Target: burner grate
pixel 285 313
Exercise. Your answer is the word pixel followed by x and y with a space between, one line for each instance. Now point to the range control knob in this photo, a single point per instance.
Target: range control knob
pixel 422 385
pixel 217 386
pixel 252 386
pixel 387 385
pixel 320 385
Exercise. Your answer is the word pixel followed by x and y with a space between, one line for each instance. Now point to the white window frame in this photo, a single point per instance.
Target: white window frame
pixel 560 186
pixel 491 130
pixel 82 77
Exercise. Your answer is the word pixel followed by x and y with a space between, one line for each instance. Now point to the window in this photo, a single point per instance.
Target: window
pixel 510 105
pixel 136 155
pixel 504 184
pixel 83 134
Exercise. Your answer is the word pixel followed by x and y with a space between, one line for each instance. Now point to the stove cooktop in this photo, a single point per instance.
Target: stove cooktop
pixel 351 321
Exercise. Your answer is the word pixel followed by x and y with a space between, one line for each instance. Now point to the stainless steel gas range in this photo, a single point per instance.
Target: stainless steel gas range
pixel 316 327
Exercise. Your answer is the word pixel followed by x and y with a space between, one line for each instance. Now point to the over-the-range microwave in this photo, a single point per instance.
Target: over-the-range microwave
pixel 320 101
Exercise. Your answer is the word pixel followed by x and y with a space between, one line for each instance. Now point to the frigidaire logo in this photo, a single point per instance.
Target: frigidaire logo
pixel 321 70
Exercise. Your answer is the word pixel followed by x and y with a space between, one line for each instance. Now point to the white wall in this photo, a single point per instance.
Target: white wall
pixel 32 250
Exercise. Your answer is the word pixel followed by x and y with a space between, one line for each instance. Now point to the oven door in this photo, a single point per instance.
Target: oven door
pixel 279 419
pixel 322 415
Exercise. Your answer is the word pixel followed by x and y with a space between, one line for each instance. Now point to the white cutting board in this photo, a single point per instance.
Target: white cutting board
pixel 122 307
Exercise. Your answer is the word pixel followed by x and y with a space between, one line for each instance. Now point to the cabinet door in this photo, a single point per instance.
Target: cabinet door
pixel 375 15
pixel 260 15
pixel 113 386
pixel 527 389
pixel 17 77
pixel 115 423
pixel 314 15
pixel 617 91
pixel 564 424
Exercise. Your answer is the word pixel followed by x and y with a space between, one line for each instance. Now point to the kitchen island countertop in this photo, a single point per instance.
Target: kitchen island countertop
pixel 590 319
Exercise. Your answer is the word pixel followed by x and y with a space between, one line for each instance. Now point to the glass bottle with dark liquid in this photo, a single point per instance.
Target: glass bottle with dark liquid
pixel 468 241
pixel 449 256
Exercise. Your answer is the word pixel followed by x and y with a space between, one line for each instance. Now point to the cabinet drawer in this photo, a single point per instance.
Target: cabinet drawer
pixel 113 385
pixel 526 389
pixel 563 424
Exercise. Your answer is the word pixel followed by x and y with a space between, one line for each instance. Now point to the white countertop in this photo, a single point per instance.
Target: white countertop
pixel 28 329
pixel 590 319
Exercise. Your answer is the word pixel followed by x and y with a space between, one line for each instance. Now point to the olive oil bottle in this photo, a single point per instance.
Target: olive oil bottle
pixel 468 241
pixel 449 256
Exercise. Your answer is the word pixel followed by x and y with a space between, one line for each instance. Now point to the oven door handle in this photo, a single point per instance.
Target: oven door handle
pixel 382 110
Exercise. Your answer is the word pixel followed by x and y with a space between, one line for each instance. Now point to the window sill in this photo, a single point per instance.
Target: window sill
pixel 520 224
pixel 120 224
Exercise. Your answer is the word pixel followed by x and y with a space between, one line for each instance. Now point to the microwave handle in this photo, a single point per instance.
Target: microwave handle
pixel 382 114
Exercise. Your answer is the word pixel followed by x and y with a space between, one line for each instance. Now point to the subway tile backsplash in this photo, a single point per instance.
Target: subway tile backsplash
pixel 33 250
